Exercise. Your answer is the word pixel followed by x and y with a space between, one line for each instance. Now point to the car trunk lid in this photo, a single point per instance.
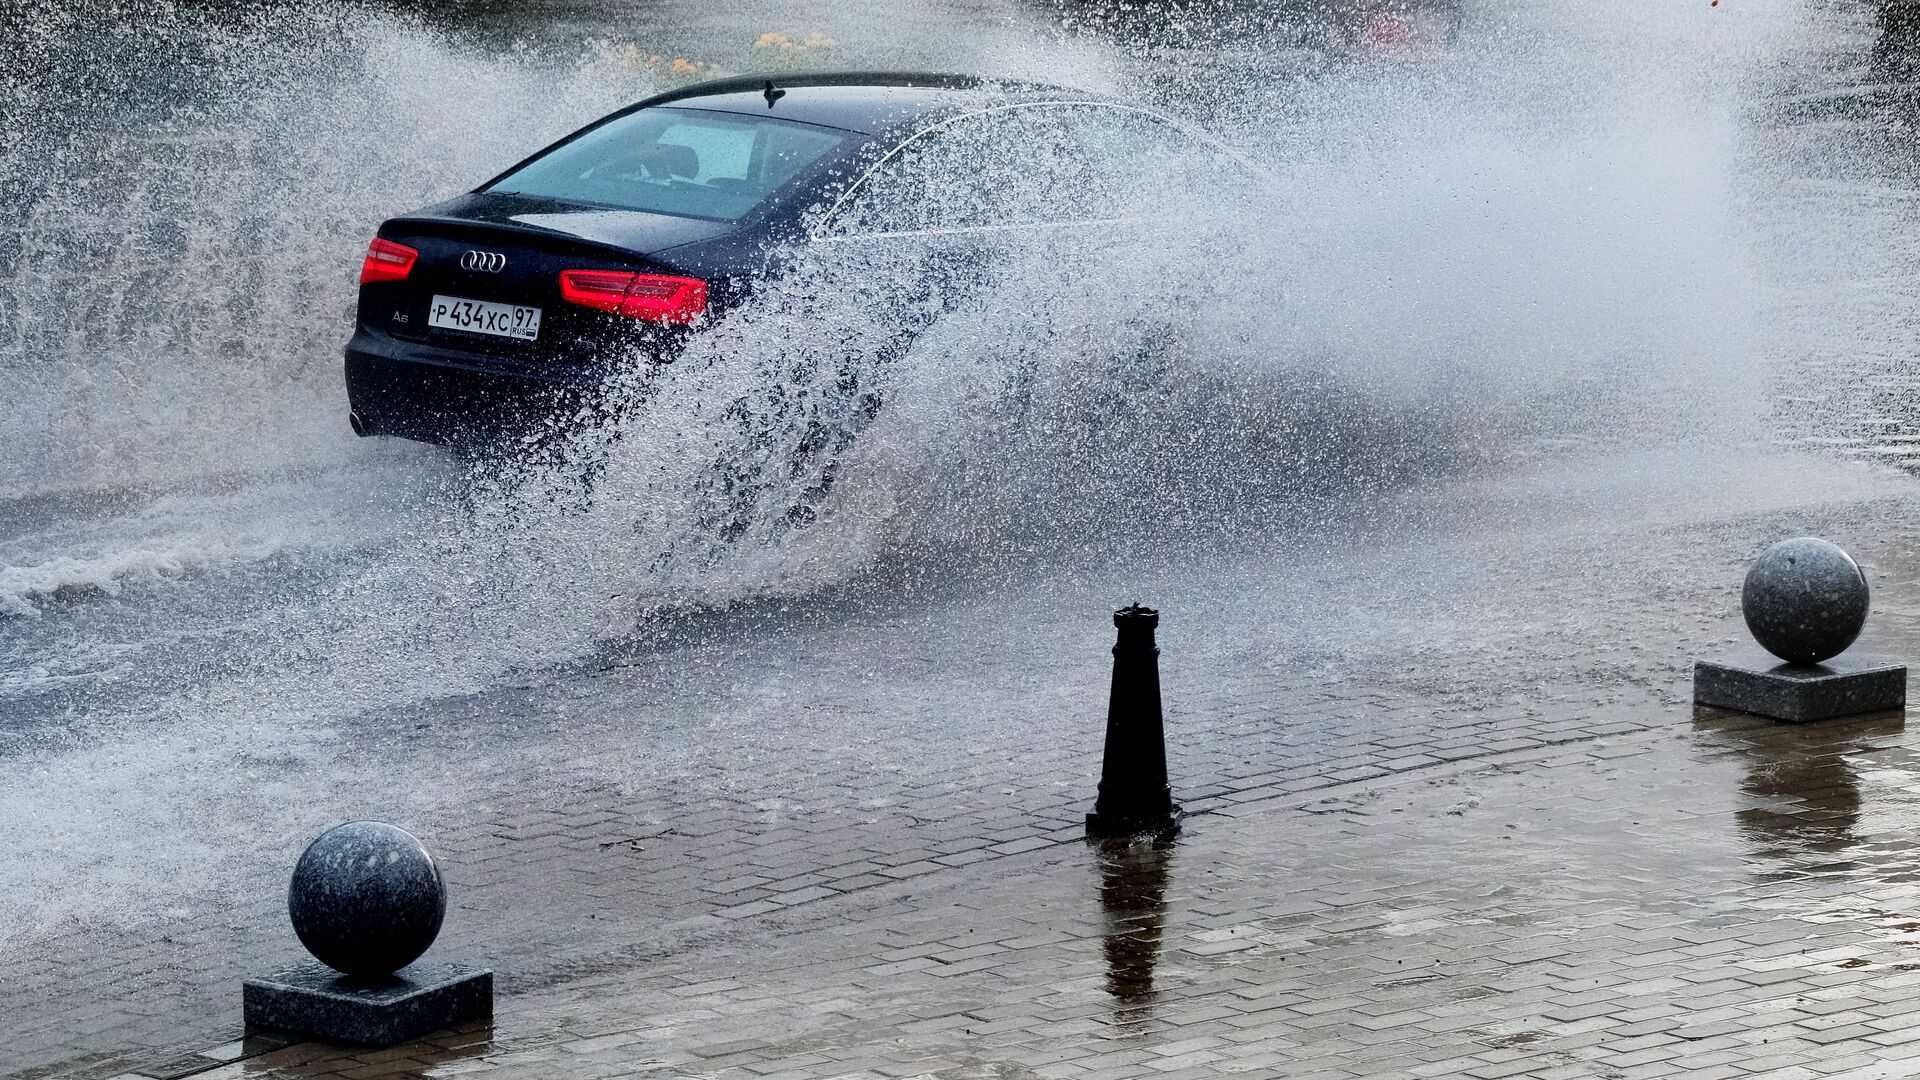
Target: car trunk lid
pixel 505 250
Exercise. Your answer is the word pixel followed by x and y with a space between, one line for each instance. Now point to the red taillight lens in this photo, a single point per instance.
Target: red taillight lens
pixel 387 261
pixel 660 298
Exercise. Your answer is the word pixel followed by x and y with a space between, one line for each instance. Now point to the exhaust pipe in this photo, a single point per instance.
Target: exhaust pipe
pixel 360 425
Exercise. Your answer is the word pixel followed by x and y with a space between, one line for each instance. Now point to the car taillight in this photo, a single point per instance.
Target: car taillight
pixel 660 298
pixel 387 261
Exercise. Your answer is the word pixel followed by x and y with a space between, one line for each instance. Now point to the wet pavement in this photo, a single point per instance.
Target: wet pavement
pixel 1478 830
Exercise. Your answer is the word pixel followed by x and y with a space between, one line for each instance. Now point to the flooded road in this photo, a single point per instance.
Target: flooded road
pixel 1837 139
pixel 1572 271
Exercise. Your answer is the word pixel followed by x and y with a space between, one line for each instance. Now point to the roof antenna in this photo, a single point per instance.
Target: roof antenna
pixel 772 95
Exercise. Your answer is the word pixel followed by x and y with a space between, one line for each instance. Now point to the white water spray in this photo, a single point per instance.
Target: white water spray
pixel 1538 239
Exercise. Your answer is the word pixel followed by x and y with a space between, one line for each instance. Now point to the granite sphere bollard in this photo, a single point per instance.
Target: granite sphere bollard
pixel 1805 600
pixel 367 898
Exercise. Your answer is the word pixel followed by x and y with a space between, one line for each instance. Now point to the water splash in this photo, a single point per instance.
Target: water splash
pixel 1538 240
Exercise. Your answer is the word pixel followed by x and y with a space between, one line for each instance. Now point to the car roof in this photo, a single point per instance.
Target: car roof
pixel 869 102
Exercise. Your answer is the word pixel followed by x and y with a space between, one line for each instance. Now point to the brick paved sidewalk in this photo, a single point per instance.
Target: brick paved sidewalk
pixel 1721 900
pixel 1511 852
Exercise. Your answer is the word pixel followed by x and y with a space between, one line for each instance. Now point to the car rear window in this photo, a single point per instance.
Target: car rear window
pixel 685 162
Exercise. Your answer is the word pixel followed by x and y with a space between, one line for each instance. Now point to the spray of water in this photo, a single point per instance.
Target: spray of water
pixel 1535 239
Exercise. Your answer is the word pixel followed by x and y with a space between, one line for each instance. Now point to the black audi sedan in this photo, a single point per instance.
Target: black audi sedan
pixel 641 228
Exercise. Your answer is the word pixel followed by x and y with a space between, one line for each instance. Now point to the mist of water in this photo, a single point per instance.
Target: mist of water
pixel 1537 238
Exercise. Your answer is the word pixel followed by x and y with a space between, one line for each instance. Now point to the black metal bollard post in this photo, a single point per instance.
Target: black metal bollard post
pixel 1134 796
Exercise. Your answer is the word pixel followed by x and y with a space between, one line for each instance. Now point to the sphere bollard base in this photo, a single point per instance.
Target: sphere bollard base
pixel 1800 693
pixel 1110 826
pixel 317 1001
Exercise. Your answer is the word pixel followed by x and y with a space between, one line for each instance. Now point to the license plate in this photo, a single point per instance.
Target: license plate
pixel 484 317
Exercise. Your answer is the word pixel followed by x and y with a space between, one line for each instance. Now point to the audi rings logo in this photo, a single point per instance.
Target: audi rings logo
pixel 483 262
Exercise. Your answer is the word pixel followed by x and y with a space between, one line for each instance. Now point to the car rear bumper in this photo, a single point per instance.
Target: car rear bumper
pixel 414 391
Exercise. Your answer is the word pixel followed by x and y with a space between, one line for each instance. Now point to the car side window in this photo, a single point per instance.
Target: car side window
pixel 1012 166
pixel 1130 151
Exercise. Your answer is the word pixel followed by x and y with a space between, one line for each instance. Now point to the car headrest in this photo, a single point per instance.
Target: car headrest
pixel 672 159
